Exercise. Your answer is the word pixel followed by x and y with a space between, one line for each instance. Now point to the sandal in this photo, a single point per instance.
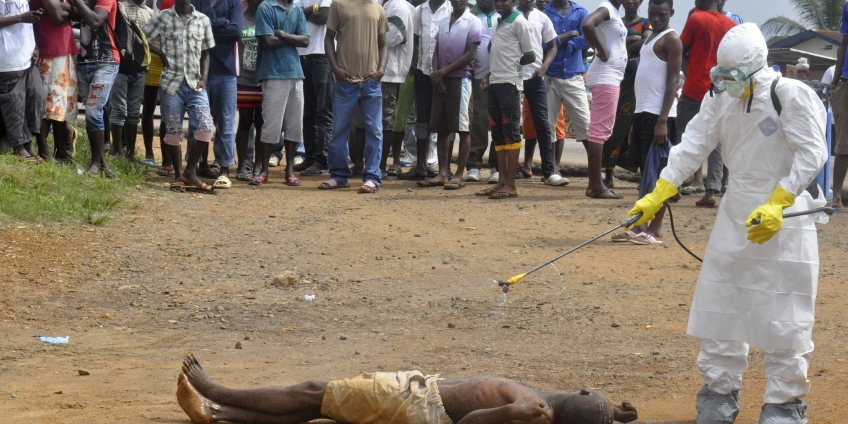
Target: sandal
pixel 244 177
pixel 31 160
pixel 645 239
pixel 454 185
pixel 165 171
pixel 394 170
pixel 222 182
pixel 600 195
pixel 500 195
pixel 705 204
pixel 431 183
pixel 293 182
pixel 211 173
pixel 370 187
pixel 333 183
pixel 686 191
pixel 623 237
pixel 178 186
pixel 205 189
pixel 485 192
pixel 313 171
pixel 258 180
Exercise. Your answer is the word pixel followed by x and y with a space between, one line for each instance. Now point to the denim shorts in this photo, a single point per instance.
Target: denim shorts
pixel 172 107
pixel 95 85
pixel 125 99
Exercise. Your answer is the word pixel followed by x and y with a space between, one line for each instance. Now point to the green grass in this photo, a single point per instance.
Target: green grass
pixel 53 193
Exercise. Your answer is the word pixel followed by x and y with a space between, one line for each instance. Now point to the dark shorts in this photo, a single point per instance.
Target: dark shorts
pixel 22 98
pixel 505 116
pixel 643 136
pixel 451 110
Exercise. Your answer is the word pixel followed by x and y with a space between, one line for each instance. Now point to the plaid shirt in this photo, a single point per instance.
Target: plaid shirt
pixel 182 44
pixel 141 15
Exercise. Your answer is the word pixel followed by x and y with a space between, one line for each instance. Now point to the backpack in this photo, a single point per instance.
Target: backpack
pixel 131 43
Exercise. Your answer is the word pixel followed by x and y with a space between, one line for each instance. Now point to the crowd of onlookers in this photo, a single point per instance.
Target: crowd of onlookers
pixel 345 79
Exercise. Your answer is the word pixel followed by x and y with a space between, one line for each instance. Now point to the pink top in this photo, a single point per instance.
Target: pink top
pixel 52 40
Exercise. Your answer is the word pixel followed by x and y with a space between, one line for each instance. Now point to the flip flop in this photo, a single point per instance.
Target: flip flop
pixel 243 177
pixel 644 239
pixel 615 196
pixel 165 171
pixel 333 183
pixel 485 192
pixel 204 189
pixel 523 175
pixel 454 185
pixel 701 204
pixel 149 162
pixel 293 182
pixel 370 187
pixel 258 180
pixel 431 183
pixel 394 170
pixel 178 186
pixel 500 195
pixel 222 182
pixel 31 160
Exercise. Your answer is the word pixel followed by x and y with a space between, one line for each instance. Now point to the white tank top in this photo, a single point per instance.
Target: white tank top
pixel 650 80
pixel 613 34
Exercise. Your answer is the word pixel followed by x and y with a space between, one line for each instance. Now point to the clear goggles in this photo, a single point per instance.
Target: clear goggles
pixel 735 79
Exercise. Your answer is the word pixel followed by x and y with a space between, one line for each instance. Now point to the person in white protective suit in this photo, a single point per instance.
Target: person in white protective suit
pixel 757 284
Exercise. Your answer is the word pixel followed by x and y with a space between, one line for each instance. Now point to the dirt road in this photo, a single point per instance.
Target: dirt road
pixel 396 277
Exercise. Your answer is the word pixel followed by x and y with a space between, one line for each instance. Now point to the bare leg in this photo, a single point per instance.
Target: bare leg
pixel 597 189
pixel 388 141
pixel 166 151
pixel 655 227
pixel 508 170
pixel 397 144
pixel 263 155
pixel 61 139
pixel 502 167
pixel 174 152
pixel 444 154
pixel 131 135
pixel 98 159
pixel 303 399
pixel 529 152
pixel 190 175
pixel 423 146
pixel 117 137
pixel 242 133
pixel 41 141
pixel 291 152
pixel 840 168
pixel 464 151
pixel 148 108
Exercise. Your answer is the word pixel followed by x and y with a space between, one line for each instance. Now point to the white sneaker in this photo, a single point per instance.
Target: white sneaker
pixel 494 176
pixel 473 176
pixel 432 156
pixel 407 159
pixel 557 180
pixel 274 161
pixel 297 160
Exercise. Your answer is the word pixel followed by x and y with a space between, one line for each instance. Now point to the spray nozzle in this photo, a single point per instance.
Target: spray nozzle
pixel 505 285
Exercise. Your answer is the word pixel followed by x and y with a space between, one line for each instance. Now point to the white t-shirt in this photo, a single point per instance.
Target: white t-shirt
pixel 511 40
pixel 427 28
pixel 17 41
pixel 481 62
pixel 827 78
pixel 543 31
pixel 399 39
pixel 613 34
pixel 316 32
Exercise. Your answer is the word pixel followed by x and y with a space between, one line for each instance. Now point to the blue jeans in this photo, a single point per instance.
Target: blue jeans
pixel 369 96
pixel 95 83
pixel 125 99
pixel 199 117
pixel 222 98
pixel 537 98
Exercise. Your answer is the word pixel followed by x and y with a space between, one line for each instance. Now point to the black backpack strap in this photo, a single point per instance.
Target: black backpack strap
pixel 775 101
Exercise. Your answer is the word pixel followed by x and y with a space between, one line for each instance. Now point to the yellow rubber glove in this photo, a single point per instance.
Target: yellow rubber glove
pixel 652 202
pixel 771 216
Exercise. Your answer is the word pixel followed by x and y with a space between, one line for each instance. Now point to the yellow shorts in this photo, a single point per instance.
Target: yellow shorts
pixel 385 398
pixel 154 71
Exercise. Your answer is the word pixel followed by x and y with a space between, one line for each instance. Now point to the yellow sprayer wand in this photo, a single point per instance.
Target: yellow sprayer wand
pixel 626 223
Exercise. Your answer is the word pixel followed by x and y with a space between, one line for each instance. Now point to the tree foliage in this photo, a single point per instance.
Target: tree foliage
pixel 812 14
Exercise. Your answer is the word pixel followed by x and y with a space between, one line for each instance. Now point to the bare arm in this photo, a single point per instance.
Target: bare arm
pixel 840 60
pixel 550 54
pixel 527 59
pixel 384 59
pixel 330 50
pixel 204 69
pixel 283 39
pixel 674 49
pixel 59 12
pixel 24 18
pixel 93 18
pixel 635 42
pixel 317 18
pixel 524 410
pixel 156 49
pixel 590 32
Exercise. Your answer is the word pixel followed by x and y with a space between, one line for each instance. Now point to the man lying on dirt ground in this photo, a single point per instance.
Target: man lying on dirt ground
pixel 393 398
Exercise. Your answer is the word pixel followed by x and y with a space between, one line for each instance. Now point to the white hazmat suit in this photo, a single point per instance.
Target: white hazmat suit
pixel 762 295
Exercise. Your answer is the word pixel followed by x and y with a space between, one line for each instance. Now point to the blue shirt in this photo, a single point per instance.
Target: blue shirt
pixel 222 60
pixel 284 62
pixel 734 17
pixel 568 61
pixel 844 30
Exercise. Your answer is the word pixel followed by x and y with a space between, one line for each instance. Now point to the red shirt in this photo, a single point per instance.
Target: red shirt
pixel 703 33
pixel 52 40
pixel 167 4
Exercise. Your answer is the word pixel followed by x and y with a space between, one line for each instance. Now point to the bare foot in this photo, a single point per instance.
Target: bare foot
pixel 196 374
pixel 199 409
pixel 192 179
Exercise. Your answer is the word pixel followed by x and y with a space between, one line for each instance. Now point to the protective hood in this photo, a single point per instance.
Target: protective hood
pixel 743 45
